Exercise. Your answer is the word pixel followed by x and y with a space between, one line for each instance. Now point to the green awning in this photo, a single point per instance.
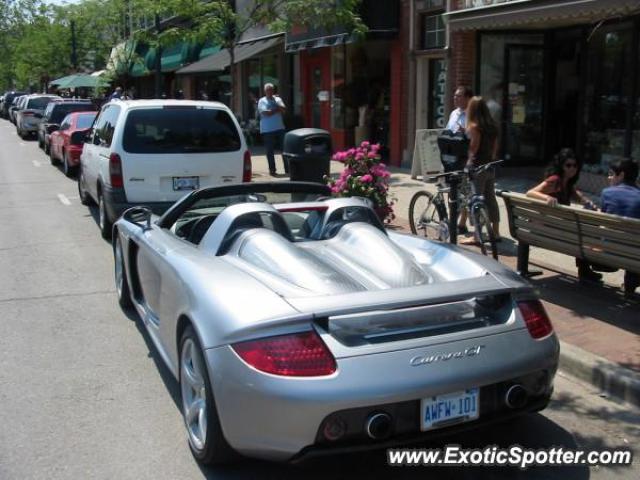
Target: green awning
pixel 175 56
pixel 139 66
pixel 209 48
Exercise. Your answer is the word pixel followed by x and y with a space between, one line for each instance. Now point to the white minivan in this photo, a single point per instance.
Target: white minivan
pixel 152 152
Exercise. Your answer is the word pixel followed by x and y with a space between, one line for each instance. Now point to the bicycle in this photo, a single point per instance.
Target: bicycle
pixel 428 212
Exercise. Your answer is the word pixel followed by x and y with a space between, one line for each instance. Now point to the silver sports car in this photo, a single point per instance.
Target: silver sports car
pixel 297 325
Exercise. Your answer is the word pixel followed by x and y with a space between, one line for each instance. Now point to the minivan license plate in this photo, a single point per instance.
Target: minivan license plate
pixel 185 183
pixel 449 409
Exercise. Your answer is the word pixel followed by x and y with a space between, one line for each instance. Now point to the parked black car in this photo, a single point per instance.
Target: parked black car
pixel 7 101
pixel 55 113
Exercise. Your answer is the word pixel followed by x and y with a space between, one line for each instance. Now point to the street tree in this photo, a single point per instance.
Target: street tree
pixel 224 22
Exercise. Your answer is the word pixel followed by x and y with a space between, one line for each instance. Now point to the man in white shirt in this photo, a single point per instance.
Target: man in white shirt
pixel 458 117
pixel 271 107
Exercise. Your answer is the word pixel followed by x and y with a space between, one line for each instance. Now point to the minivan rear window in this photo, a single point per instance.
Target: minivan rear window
pixel 180 130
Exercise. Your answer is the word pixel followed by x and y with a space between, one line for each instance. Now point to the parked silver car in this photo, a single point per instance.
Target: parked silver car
pixel 296 324
pixel 29 116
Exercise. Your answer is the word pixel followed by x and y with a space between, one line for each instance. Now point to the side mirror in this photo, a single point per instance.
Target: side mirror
pixel 78 137
pixel 141 216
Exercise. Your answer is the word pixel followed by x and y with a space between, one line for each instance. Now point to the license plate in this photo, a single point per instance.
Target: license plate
pixel 451 408
pixel 185 183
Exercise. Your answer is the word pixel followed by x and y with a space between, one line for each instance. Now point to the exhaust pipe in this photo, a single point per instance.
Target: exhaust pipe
pixel 516 397
pixel 378 426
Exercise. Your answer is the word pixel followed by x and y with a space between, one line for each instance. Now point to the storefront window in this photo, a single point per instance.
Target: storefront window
pixel 337 87
pixel 216 87
pixel 607 96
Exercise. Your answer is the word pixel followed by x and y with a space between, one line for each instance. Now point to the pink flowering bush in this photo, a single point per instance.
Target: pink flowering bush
pixel 364 176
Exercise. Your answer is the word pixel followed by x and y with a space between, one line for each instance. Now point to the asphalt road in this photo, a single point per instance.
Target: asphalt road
pixel 83 394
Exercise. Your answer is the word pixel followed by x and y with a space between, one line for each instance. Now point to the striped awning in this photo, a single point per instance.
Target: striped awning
pixel 536 14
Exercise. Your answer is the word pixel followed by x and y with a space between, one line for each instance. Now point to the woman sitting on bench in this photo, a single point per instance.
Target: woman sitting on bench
pixel 559 187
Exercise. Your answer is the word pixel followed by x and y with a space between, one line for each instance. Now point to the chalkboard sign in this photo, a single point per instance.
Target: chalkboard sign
pixel 426 154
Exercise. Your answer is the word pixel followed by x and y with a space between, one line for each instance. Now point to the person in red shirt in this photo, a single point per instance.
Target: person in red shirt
pixel 559 187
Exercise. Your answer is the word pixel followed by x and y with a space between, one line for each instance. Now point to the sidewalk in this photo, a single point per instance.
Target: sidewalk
pixel 598 329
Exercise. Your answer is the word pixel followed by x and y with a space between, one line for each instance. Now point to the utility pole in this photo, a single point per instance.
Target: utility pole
pixel 74 52
pixel 158 64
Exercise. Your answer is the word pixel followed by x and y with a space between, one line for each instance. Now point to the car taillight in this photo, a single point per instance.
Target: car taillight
pixel 115 170
pixel 246 168
pixel 536 318
pixel 296 355
pixel 27 114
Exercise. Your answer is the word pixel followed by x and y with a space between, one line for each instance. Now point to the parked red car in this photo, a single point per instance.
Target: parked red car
pixel 60 141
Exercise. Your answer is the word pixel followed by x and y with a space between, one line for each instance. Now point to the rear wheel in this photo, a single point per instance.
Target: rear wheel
pixel 47 147
pixel 104 222
pixel 484 231
pixel 122 285
pixel 428 217
pixel 40 142
pixel 206 439
pixel 85 198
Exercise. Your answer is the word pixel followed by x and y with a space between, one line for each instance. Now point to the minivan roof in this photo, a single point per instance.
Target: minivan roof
pixel 168 102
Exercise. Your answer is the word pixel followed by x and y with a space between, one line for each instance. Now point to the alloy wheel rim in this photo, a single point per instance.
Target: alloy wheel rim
pixel 101 212
pixel 119 269
pixel 194 395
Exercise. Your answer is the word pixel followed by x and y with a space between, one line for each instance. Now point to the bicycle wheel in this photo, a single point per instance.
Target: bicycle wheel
pixel 428 217
pixel 483 230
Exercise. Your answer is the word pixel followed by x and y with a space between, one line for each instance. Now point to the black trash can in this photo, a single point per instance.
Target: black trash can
pixel 308 151
pixel 454 150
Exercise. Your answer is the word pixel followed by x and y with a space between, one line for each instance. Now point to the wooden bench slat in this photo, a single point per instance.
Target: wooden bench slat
pixel 608 259
pixel 615 235
pixel 613 248
pixel 548 232
pixel 539 219
pixel 550 244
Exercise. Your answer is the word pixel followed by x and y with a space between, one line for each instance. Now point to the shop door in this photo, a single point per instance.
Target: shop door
pixel 318 111
pixel 522 128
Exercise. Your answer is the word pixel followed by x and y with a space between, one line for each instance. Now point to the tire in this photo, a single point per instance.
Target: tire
pixel 40 142
pixel 428 217
pixel 483 230
pixel 120 275
pixel 46 147
pixel 104 222
pixel 85 198
pixel 206 439
pixel 68 170
pixel 52 159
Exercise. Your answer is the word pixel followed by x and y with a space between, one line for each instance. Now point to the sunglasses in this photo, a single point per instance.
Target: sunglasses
pixel 571 165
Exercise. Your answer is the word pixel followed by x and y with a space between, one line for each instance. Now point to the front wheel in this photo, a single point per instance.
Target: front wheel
pixel 484 234
pixel 206 438
pixel 122 285
pixel 68 170
pixel 428 217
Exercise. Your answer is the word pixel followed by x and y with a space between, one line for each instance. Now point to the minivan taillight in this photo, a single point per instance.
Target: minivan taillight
pixel 115 170
pixel 536 318
pixel 246 168
pixel 295 355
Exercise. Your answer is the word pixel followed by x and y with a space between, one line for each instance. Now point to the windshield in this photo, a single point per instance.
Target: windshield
pixel 179 129
pixel 85 120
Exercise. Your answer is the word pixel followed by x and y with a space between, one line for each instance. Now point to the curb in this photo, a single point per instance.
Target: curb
pixel 612 379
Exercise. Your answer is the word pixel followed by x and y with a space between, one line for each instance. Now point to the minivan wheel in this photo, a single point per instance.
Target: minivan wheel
pixel 103 218
pixel 68 170
pixel 53 159
pixel 85 198
pixel 206 438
